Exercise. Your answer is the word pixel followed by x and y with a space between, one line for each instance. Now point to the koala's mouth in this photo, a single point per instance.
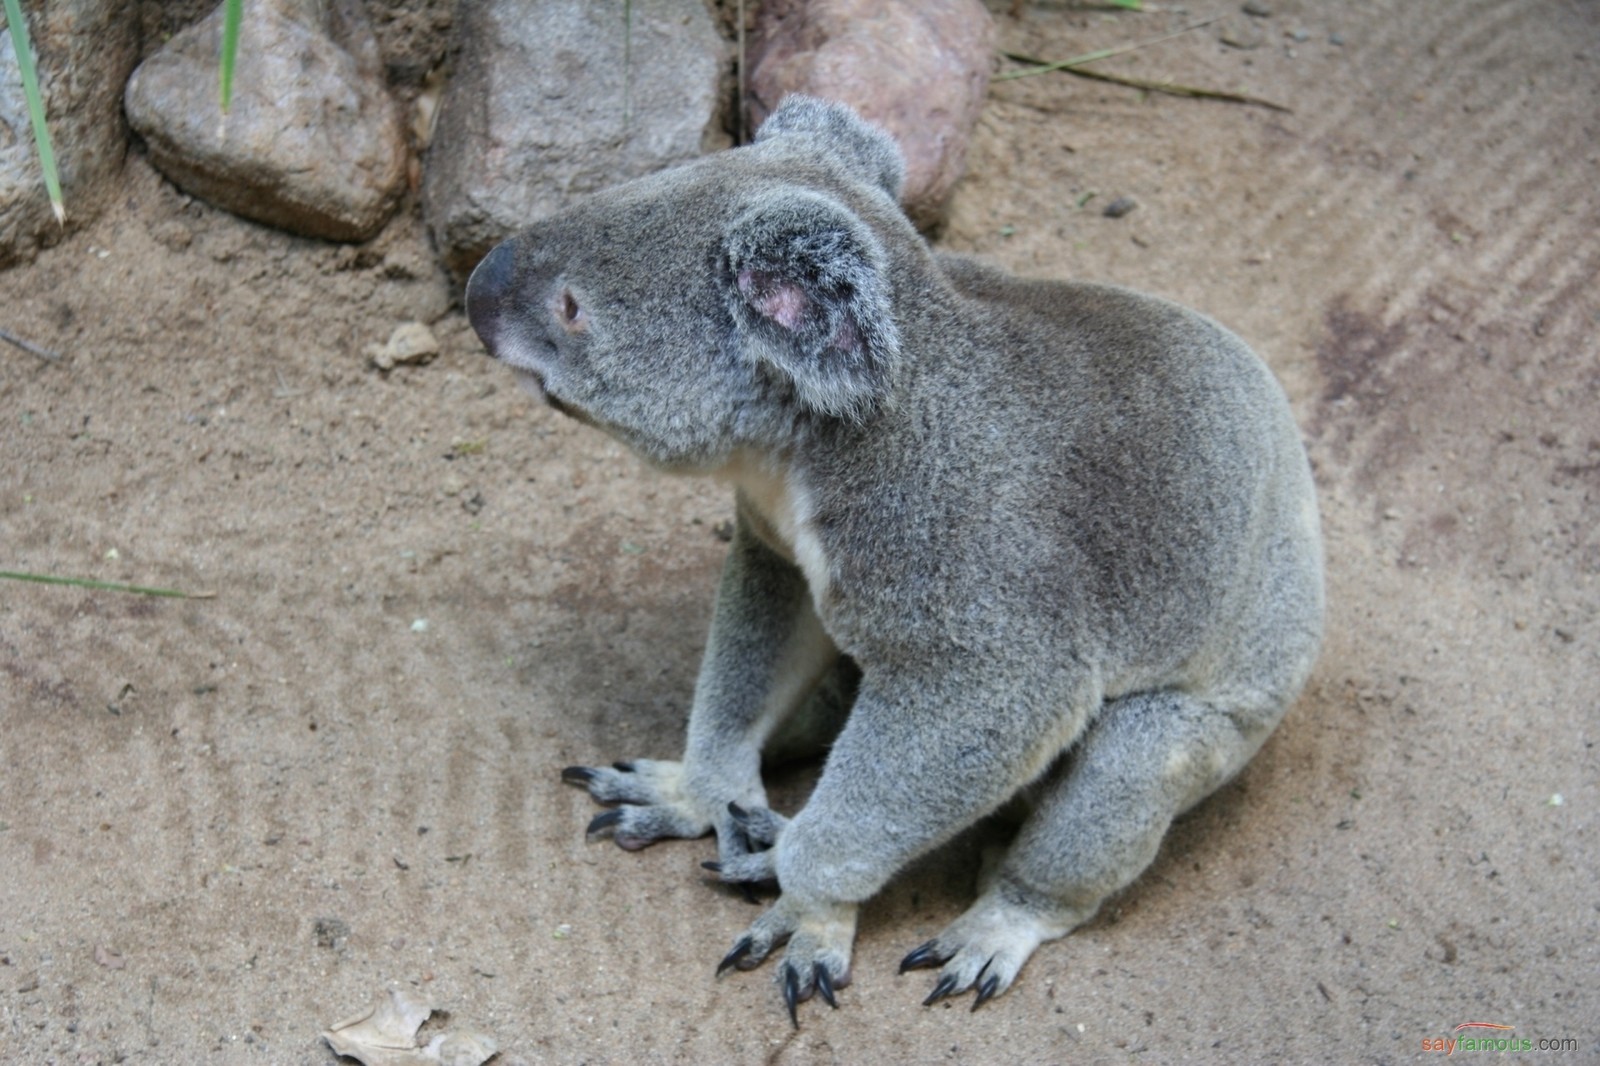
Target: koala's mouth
pixel 533 383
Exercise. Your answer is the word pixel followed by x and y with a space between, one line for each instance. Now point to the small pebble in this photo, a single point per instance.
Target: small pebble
pixel 1256 9
pixel 411 343
pixel 1119 207
pixel 1336 39
pixel 1242 35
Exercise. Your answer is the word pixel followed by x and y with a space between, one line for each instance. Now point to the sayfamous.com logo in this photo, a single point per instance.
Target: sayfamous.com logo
pixel 1491 1036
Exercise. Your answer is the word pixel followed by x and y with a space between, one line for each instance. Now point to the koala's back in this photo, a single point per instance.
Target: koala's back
pixel 1096 470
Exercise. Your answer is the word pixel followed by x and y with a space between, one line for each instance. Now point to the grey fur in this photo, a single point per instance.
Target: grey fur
pixel 1066 532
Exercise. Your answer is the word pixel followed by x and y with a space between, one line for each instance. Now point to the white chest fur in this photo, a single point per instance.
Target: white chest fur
pixel 780 511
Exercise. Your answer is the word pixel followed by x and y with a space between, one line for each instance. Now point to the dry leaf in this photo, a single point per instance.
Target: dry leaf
pixel 386 1035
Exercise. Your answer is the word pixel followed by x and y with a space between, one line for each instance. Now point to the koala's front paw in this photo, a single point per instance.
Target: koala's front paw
pixel 746 855
pixel 657 806
pixel 820 935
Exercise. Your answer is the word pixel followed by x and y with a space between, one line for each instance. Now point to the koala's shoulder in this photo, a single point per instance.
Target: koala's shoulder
pixel 1094 320
pixel 987 286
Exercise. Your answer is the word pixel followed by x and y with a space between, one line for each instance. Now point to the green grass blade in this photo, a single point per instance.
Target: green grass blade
pixel 112 586
pixel 232 15
pixel 30 89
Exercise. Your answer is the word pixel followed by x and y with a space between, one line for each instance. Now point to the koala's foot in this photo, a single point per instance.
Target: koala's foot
pixel 656 803
pixel 985 948
pixel 1157 753
pixel 819 934
pixel 757 830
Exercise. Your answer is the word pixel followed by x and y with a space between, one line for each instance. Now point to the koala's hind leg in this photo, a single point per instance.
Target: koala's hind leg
pixel 1098 824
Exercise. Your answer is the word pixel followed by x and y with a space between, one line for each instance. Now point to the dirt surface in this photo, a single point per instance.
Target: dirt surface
pixel 226 823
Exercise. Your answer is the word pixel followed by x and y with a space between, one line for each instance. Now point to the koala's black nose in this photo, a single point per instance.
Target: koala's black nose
pixel 486 289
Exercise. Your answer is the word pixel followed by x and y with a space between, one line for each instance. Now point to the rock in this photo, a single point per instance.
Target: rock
pixel 83 50
pixel 541 108
pixel 1122 205
pixel 1256 9
pixel 411 343
pixel 313 143
pixel 917 68
pixel 1242 33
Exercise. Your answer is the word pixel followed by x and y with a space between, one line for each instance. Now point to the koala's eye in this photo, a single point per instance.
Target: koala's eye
pixel 568 311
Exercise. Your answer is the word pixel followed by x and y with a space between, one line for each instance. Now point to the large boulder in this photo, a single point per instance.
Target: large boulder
pixel 917 68
pixel 313 143
pixel 551 99
pixel 83 50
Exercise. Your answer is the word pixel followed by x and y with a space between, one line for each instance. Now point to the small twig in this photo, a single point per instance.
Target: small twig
pixel 1169 87
pixel 1107 5
pixel 87 583
pixel 29 346
pixel 1090 57
pixel 627 64
pixel 742 121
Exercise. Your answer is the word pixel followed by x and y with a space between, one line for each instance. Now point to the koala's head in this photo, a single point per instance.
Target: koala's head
pixel 703 309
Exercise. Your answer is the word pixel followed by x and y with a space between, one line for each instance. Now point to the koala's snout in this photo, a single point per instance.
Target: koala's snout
pixel 497 308
pixel 486 292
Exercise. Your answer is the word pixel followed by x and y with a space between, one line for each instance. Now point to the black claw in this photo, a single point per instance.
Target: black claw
pixel 577 775
pixel 791 992
pixel 747 889
pixel 739 815
pixel 734 957
pixel 923 955
pixel 623 765
pixel 824 985
pixel 605 820
pixel 946 985
pixel 986 990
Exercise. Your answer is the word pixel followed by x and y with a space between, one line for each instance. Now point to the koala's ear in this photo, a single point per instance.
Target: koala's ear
pixel 807 283
pixel 870 154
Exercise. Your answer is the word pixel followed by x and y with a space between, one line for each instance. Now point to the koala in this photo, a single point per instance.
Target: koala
pixel 996 539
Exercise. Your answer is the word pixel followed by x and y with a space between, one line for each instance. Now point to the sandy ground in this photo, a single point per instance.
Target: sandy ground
pixel 226 823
